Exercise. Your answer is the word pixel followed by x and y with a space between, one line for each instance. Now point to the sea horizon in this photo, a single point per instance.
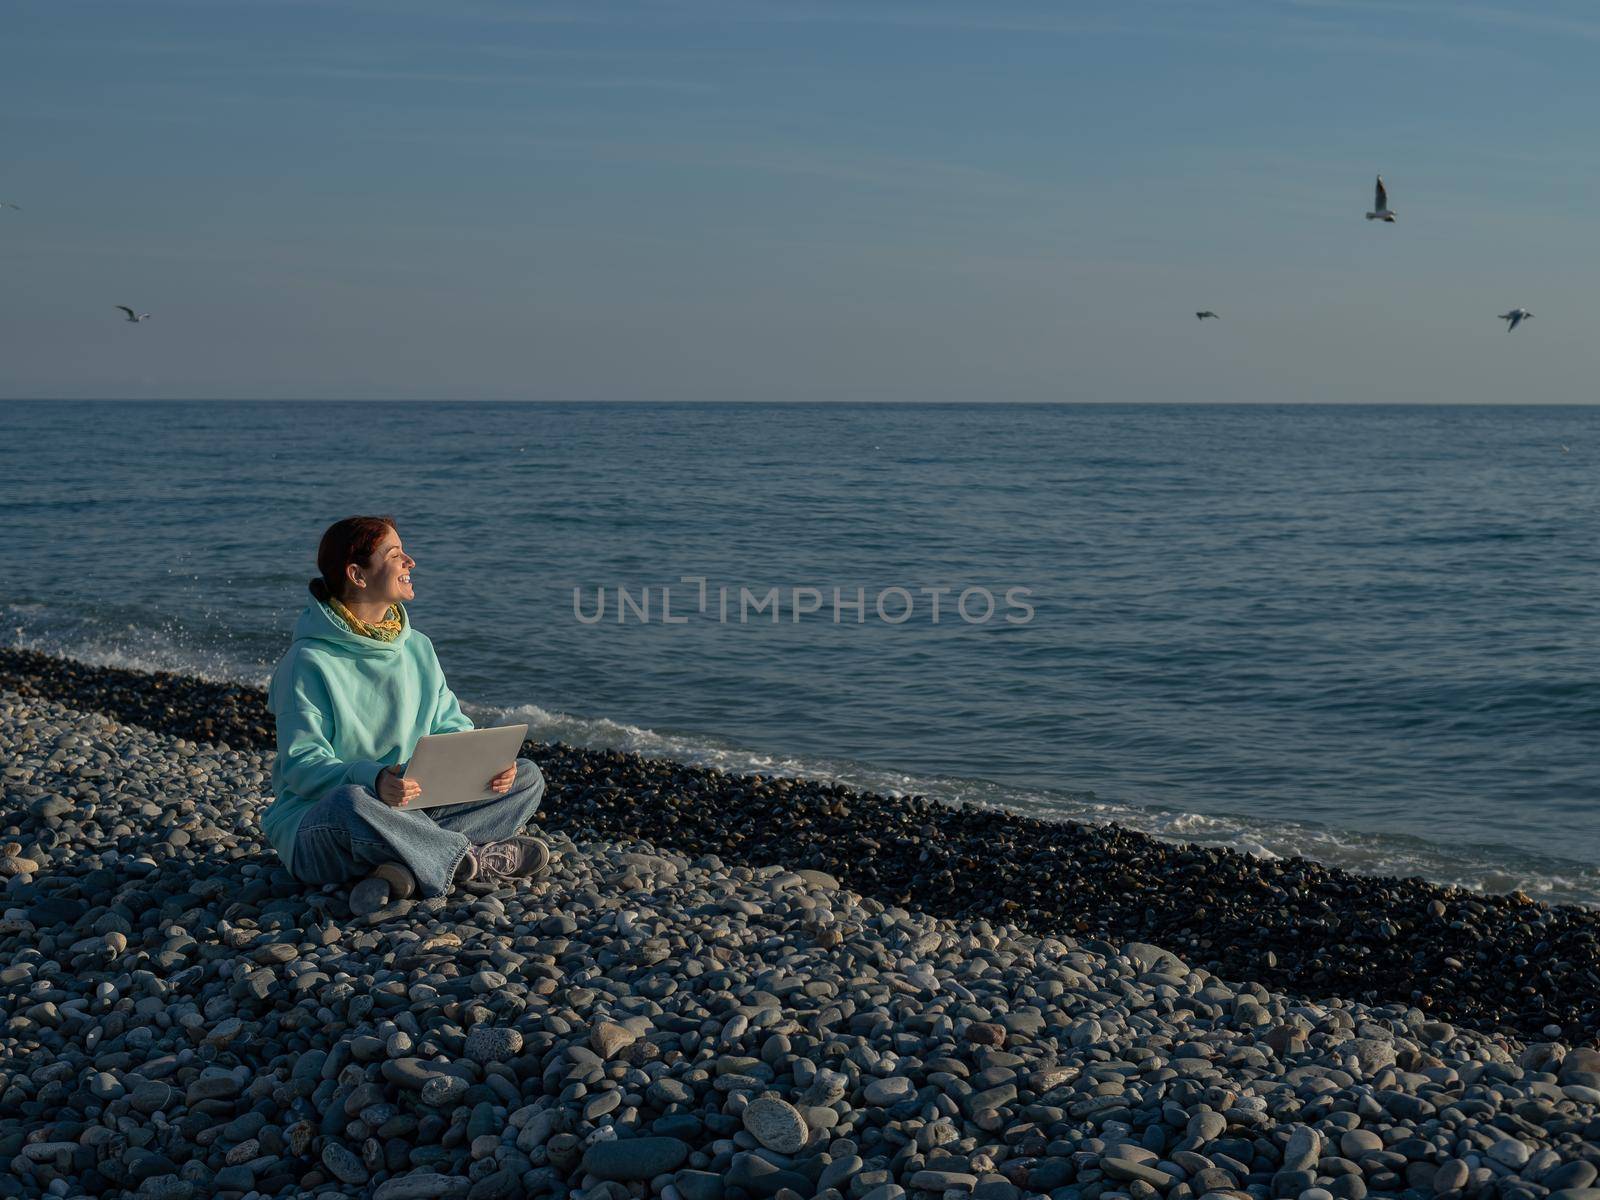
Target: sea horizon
pixel 816 403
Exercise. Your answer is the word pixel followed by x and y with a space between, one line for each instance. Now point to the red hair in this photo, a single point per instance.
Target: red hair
pixel 351 540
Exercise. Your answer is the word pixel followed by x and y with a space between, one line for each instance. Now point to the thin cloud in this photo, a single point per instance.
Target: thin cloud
pixel 874 170
pixel 877 170
pixel 479 79
pixel 656 85
pixel 522 14
pixel 1153 18
pixel 916 17
pixel 1533 22
pixel 1504 18
pixel 1332 39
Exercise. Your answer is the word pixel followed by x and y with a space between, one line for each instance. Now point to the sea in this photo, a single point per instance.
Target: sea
pixel 1368 635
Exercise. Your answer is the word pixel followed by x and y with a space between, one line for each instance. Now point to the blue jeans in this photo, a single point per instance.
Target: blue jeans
pixel 351 830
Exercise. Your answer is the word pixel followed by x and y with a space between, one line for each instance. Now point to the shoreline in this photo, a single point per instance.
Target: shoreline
pixel 181 1019
pixel 1494 963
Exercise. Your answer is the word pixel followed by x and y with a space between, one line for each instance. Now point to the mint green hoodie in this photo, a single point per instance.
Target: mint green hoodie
pixel 347 706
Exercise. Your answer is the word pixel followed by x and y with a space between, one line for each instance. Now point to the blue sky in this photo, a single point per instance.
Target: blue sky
pixel 790 200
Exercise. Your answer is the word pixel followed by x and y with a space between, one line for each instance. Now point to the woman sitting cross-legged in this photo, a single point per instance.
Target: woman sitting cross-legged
pixel 356 690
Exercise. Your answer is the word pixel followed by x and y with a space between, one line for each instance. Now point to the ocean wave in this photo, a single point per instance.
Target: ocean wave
pixel 129 647
pixel 1473 867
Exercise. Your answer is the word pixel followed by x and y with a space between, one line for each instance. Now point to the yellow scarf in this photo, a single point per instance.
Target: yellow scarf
pixel 385 630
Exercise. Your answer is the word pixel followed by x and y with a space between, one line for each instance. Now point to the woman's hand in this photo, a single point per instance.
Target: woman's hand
pixel 395 791
pixel 501 783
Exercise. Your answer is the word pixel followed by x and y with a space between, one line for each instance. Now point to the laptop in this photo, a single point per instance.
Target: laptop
pixel 455 768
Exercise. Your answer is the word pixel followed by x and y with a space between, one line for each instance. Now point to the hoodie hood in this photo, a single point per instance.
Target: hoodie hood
pixel 319 624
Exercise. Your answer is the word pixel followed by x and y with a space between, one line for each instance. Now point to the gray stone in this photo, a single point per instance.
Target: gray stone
pixel 1126 1169
pixel 346 1167
pixel 608 1038
pixel 1581 1065
pixel 1303 1150
pixel 942 1181
pixel 762 1178
pixel 218 1086
pixel 1579 1174
pixel 500 1185
pixel 601 1103
pixel 1373 1055
pixel 166 1187
pixel 1451 1176
pixel 443 1090
pixel 884 1092
pixel 1154 958
pixel 151 1097
pixel 1356 1142
pixel 1510 1152
pixel 1050 1174
pixel 237 1177
pixel 839 1172
pixel 776 1124
pixel 105 1086
pixel 990 1098
pixel 487 1044
pixel 423 1186
pixel 411 1073
pixel 698 1185
pixel 224 1031
pixel 667 1091
pixel 629 1159
pixel 827 1088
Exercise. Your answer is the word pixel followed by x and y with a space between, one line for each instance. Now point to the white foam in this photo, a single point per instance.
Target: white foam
pixel 1479 869
pixel 129 648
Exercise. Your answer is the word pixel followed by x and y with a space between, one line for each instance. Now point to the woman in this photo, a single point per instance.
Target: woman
pixel 356 690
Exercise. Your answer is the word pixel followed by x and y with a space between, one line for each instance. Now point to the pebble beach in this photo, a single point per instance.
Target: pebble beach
pixel 731 987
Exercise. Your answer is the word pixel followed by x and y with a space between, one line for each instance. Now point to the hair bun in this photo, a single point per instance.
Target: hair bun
pixel 352 540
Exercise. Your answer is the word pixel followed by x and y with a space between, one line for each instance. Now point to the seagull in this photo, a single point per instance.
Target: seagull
pixel 1516 316
pixel 8 204
pixel 1380 201
pixel 1565 449
pixel 1208 313
pixel 133 316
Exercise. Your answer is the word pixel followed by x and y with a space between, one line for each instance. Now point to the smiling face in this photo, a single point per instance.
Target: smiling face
pixel 387 574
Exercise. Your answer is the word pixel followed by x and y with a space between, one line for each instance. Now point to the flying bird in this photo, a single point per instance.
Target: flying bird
pixel 1516 317
pixel 1380 202
pixel 1208 313
pixel 133 316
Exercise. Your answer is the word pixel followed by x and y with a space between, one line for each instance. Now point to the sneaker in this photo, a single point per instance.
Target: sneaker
pixel 514 858
pixel 402 883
